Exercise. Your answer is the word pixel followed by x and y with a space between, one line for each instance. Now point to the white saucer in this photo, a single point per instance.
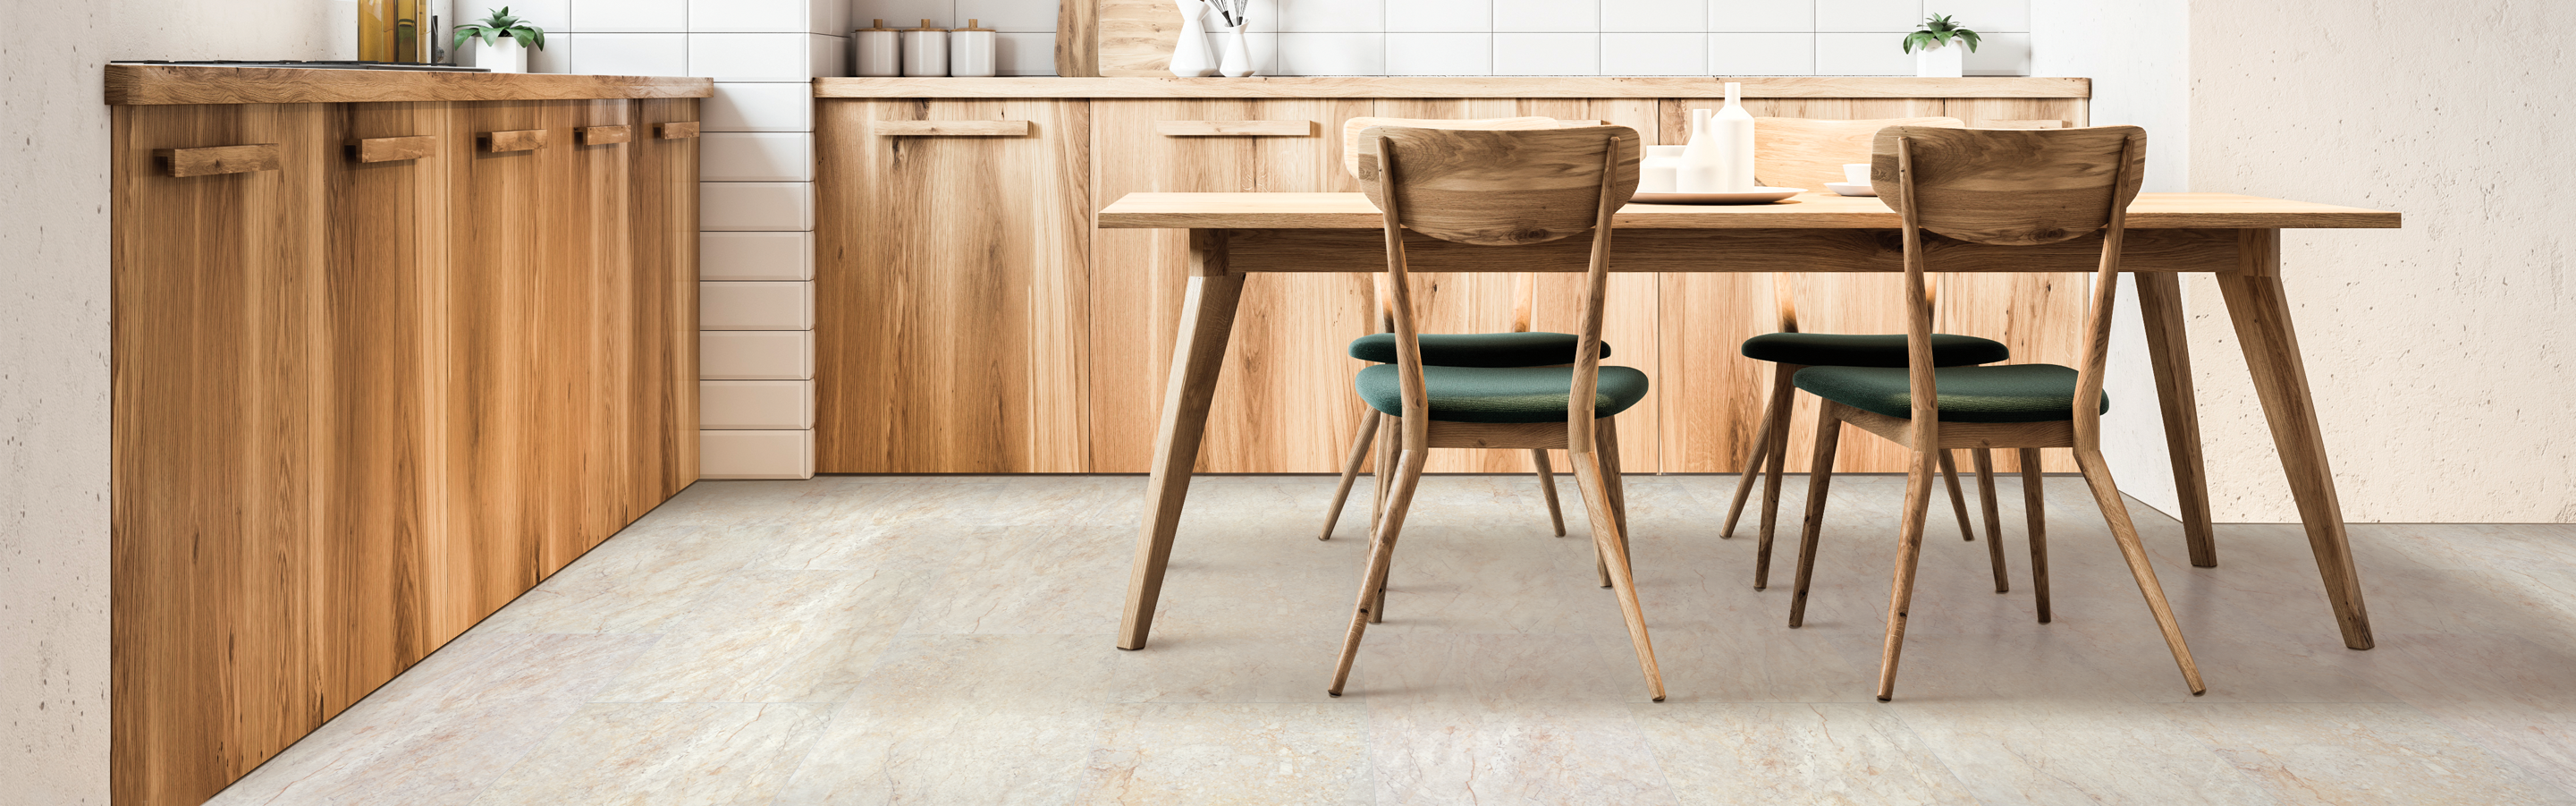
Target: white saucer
pixel 1756 196
pixel 1852 188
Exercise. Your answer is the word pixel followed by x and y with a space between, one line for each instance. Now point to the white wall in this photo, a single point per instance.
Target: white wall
pixel 2138 54
pixel 2444 353
pixel 54 375
pixel 1558 37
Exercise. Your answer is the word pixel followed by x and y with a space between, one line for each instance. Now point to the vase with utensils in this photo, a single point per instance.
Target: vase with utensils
pixel 1238 55
pixel 1190 57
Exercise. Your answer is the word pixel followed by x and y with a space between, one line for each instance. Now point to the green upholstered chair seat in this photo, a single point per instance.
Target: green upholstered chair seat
pixel 1488 349
pixel 1869 349
pixel 2010 393
pixel 1500 394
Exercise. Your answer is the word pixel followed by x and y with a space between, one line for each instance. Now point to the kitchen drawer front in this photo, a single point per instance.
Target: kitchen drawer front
pixel 765 355
pixel 756 405
pixel 755 306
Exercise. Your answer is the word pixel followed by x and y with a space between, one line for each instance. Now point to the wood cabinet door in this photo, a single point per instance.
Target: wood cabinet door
pixel 664 385
pixel 1283 403
pixel 951 286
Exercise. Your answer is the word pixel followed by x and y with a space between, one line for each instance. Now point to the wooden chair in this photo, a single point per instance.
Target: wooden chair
pixel 1518 348
pixel 1999 188
pixel 1500 189
pixel 1798 152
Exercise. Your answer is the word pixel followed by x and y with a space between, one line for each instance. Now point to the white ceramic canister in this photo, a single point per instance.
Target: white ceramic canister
pixel 925 51
pixel 876 51
pixel 1661 172
pixel 970 51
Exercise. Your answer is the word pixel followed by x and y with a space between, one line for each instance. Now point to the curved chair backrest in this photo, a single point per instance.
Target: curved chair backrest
pixel 1499 188
pixel 1804 153
pixel 2008 187
pixel 1524 286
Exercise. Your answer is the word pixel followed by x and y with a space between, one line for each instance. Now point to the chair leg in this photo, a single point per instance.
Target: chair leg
pixel 1609 542
pixel 1351 471
pixel 1381 555
pixel 2097 476
pixel 1752 467
pixel 1609 449
pixel 1820 476
pixel 1958 500
pixel 1985 461
pixel 1547 489
pixel 1390 444
pixel 1909 554
pixel 1781 400
pixel 2035 512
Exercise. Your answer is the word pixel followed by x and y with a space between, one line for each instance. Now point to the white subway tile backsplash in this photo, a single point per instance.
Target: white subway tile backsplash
pixel 555 57
pixel 1351 54
pixel 1631 54
pixel 1762 54
pixel 905 13
pixel 829 17
pixel 756 405
pixel 1761 16
pixel 756 157
pixel 1414 54
pixel 1547 16
pixel 1880 54
pixel 773 355
pixel 759 107
pixel 755 306
pixel 766 57
pixel 1561 54
pixel 1010 16
pixel 755 255
pixel 1324 16
pixel 1865 16
pixel 2000 54
pixel 755 16
pixel 550 16
pixel 630 16
pixel 755 454
pixel 1448 16
pixel 756 206
pixel 1653 16
pixel 1024 54
pixel 625 54
pixel 1984 16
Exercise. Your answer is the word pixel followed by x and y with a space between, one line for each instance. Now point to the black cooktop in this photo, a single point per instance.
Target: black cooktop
pixel 312 65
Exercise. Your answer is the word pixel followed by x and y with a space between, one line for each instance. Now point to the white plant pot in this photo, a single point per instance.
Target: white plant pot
pixel 503 57
pixel 1941 61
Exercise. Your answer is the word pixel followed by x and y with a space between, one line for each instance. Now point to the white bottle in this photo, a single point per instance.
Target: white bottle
pixel 1661 171
pixel 1699 171
pixel 1732 130
pixel 1190 57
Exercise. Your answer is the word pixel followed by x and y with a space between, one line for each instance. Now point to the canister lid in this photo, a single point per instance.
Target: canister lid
pixel 874 25
pixel 925 26
pixel 970 25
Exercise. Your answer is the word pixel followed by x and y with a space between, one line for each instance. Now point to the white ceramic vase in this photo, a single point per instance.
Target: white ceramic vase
pixel 1238 55
pixel 1190 57
pixel 1941 61
pixel 504 56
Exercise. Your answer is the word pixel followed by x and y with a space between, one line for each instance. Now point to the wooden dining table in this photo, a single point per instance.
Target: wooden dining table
pixel 2236 238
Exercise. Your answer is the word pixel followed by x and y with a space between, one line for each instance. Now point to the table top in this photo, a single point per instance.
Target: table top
pixel 1805 211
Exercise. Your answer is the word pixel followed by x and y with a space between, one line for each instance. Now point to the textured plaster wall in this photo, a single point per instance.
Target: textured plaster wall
pixel 54 351
pixel 2444 353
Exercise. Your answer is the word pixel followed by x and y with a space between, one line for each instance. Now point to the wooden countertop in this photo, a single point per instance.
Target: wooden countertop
pixel 1806 211
pixel 148 84
pixel 1452 87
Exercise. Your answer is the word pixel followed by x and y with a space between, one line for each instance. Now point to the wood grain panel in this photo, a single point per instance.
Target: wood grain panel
pixel 676 130
pixel 1077 38
pixel 951 334
pixel 512 140
pixel 950 128
pixel 145 84
pixel 1283 403
pixel 214 160
pixel 1135 37
pixel 602 135
pixel 392 149
pixel 1235 128
pixel 665 225
pixel 1139 19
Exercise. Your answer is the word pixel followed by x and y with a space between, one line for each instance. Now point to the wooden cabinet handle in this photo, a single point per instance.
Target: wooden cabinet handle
pixel 514 140
pixel 1235 128
pixel 393 149
pixel 676 131
pixel 212 160
pixel 949 128
pixel 602 135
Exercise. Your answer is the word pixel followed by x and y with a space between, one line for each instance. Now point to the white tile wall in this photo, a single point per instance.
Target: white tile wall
pixel 1547 16
pixel 755 255
pixel 762 405
pixel 1548 54
pixel 780 355
pixel 755 306
pixel 622 54
pixel 1763 54
pixel 1421 54
pixel 758 107
pixel 1763 16
pixel 796 57
pixel 755 206
pixel 756 156
pixel 755 454
pixel 629 16
pixel 770 16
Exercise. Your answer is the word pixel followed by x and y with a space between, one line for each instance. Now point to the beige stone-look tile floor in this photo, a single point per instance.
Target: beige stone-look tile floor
pixel 947 640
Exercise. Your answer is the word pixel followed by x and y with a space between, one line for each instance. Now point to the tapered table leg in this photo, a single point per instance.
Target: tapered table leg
pixel 1207 321
pixel 2262 315
pixel 2169 349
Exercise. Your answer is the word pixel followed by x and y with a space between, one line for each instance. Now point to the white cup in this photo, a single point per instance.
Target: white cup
pixel 1856 173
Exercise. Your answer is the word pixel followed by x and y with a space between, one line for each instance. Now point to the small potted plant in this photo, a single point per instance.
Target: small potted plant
pixel 1936 48
pixel 500 42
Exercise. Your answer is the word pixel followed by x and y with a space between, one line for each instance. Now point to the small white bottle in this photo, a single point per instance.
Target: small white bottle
pixel 1700 171
pixel 1732 130
pixel 875 51
pixel 1661 170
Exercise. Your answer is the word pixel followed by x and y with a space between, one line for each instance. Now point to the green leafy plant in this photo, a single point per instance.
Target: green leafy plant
pixel 500 24
pixel 1940 31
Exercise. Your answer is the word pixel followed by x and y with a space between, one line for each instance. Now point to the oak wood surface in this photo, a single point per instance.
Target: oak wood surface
pixel 390 149
pixel 1235 128
pixel 1804 211
pixel 146 84
pixel 1077 38
pixel 949 128
pixel 950 333
pixel 214 160
pixel 676 130
pixel 1154 81
pixel 602 135
pixel 511 140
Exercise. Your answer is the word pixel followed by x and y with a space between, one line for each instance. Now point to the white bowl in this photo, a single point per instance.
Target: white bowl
pixel 1852 188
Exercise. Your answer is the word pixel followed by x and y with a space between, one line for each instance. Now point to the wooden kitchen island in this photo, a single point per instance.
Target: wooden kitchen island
pixel 389 348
